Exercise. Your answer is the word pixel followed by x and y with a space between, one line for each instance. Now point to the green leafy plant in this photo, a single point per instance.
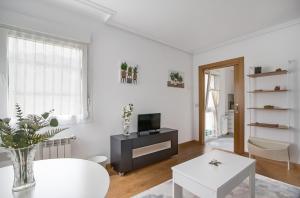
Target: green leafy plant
pixel 172 76
pixel 175 76
pixel 124 66
pixel 180 79
pixel 26 130
pixel 135 70
pixel 129 71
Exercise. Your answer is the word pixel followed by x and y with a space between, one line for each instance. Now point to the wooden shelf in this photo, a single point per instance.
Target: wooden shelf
pixel 268 91
pixel 274 73
pixel 267 125
pixel 271 109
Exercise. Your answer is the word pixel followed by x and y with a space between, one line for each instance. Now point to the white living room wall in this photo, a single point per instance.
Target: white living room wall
pixel 272 49
pixel 108 47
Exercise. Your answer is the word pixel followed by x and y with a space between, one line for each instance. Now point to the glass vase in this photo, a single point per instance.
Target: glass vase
pixel 22 160
pixel 126 126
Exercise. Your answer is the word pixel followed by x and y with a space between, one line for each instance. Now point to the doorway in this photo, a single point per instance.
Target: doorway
pixel 221 105
pixel 219 108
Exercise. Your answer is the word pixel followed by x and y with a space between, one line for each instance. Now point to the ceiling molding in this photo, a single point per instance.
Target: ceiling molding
pixel 248 36
pixel 144 35
pixel 97 7
pixel 109 21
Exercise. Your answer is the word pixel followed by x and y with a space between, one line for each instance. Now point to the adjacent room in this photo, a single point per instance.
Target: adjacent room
pixel 149 99
pixel 219 104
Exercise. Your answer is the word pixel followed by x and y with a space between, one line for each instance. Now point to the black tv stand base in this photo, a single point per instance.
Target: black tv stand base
pixel 135 151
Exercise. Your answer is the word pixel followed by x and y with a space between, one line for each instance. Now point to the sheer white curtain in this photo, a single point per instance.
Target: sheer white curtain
pixel 45 74
pixel 212 102
pixel 216 101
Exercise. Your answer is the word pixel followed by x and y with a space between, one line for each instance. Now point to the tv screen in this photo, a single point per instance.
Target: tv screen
pixel 148 122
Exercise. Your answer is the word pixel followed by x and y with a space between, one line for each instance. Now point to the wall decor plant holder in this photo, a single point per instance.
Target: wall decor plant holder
pixel 129 73
pixel 176 79
pixel 124 67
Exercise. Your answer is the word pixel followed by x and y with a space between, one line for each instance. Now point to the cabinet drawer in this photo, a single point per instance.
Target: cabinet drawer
pixel 151 139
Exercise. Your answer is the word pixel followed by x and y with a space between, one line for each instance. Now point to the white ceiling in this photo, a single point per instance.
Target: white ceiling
pixel 191 25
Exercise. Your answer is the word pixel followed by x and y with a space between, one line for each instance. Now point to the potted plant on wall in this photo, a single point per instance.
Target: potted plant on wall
pixel 180 79
pixel 129 74
pixel 176 79
pixel 172 77
pixel 20 139
pixel 135 72
pixel 124 67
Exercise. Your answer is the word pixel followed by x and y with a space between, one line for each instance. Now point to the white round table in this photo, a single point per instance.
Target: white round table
pixel 60 178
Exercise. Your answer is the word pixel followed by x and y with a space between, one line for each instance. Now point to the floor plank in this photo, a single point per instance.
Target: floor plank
pixel 140 180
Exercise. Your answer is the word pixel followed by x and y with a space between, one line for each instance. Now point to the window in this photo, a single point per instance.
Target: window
pixel 46 73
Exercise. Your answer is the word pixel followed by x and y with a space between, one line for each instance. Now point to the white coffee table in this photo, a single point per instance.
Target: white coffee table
pixel 209 181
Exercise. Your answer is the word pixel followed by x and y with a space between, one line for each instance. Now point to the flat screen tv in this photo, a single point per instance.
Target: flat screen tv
pixel 148 122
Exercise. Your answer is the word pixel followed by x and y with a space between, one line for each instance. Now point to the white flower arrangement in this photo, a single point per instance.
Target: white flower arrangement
pixel 127 112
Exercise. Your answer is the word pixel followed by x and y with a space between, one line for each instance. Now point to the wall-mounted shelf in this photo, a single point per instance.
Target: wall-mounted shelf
pixel 274 73
pixel 268 148
pixel 268 125
pixel 268 91
pixel 269 109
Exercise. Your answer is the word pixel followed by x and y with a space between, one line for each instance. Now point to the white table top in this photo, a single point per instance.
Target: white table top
pixel 210 176
pixel 60 178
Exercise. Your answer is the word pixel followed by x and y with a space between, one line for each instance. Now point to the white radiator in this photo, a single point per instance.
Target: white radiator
pixel 55 148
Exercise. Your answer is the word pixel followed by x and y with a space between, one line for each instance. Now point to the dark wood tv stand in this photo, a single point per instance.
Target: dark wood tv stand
pixel 132 152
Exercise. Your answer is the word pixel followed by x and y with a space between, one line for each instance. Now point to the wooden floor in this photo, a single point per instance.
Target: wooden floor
pixel 145 178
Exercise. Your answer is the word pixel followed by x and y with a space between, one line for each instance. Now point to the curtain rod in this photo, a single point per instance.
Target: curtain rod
pixel 30 31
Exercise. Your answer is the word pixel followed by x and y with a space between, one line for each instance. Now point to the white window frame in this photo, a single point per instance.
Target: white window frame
pixel 4 81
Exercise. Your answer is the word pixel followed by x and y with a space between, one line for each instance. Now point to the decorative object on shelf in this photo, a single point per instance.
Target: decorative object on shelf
pixel 126 115
pixel 257 70
pixel 128 74
pixel 277 88
pixel 176 79
pixel 20 140
pixel 269 107
pixel 278 70
pixel 215 162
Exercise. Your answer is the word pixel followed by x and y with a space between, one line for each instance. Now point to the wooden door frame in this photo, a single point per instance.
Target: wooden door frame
pixel 239 97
